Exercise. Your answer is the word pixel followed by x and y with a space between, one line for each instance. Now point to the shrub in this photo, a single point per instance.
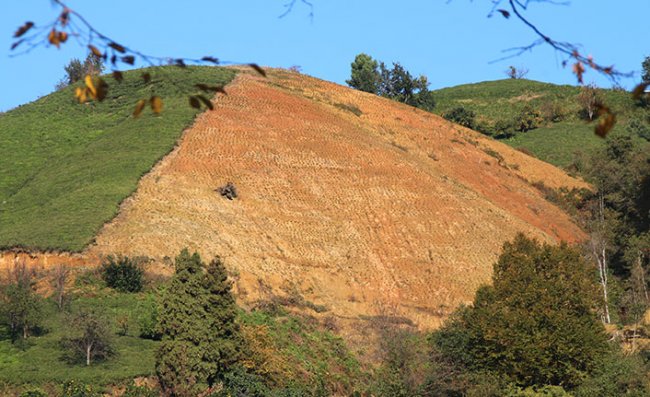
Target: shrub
pixel 89 340
pixel 33 393
pixel 73 388
pixel 122 274
pixel 527 119
pixel 552 112
pixel 149 321
pixel 504 129
pixel 462 116
pixel 639 128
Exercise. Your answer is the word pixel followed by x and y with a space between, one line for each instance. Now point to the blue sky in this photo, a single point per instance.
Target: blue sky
pixel 452 42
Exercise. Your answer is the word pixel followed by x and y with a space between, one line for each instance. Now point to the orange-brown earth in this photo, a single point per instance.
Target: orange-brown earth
pixel 358 202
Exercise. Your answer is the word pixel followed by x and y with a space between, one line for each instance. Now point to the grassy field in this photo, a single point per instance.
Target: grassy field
pixel 65 167
pixel 553 142
pixel 293 350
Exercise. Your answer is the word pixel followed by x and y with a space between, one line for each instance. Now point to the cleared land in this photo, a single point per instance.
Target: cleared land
pixel 358 202
pixel 65 167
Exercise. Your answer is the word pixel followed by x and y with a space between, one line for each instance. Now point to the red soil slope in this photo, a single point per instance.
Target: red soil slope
pixel 358 202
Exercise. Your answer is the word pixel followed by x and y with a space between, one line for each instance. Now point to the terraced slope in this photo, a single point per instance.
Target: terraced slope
pixel 65 167
pixel 357 202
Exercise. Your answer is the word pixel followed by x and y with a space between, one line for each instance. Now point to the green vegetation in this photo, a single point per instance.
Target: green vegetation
pixel 65 167
pixel 122 274
pixel 200 338
pixel 545 119
pixel 397 83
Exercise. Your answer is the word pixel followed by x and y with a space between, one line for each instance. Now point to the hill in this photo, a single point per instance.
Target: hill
pixel 554 141
pixel 356 204
pixel 64 168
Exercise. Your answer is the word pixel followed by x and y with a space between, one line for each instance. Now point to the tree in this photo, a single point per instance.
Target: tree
pixel 91 339
pixel 516 73
pixel 535 325
pixel 61 275
pixel 364 76
pixel 21 306
pixel 462 116
pixel 122 274
pixel 200 338
pixel 75 70
pixel 646 70
pixel 589 99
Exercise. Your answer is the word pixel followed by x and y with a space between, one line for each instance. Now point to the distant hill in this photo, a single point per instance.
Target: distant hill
pixel 65 167
pixel 554 142
pixel 360 204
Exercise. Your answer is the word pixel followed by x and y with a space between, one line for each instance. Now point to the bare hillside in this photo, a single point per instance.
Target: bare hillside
pixel 357 202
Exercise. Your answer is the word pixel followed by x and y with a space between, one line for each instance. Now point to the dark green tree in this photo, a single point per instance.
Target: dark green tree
pixel 21 306
pixel 364 76
pixel 536 324
pixel 122 274
pixel 200 338
pixel 645 65
pixel 462 116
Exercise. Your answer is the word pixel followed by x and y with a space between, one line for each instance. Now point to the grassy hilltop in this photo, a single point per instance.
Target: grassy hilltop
pixel 556 141
pixel 65 167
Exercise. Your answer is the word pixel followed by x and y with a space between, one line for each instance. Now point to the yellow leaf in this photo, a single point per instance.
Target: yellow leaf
pixel 605 124
pixel 53 38
pixel 95 51
pixel 639 90
pixel 138 107
pixel 156 104
pixel 80 94
pixel 91 86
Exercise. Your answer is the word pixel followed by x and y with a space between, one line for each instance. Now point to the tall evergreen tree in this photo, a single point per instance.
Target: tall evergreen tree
pixel 364 76
pixel 200 338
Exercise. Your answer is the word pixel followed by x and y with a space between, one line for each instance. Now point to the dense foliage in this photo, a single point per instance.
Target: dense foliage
pixel 535 325
pixel 200 338
pixel 395 83
pixel 122 274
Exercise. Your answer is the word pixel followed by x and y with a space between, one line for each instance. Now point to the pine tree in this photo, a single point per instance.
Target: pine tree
pixel 200 338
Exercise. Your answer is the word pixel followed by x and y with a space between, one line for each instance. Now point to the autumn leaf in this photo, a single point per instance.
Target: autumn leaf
pixel 605 124
pixel 63 37
pixel 117 47
pixel 23 29
pixel 206 102
pixel 579 70
pixel 505 13
pixel 64 17
pixel 210 59
pixel 211 88
pixel 81 94
pixel 53 38
pixel 194 102
pixel 88 80
pixel 117 75
pixel 156 104
pixel 139 107
pixel 639 90
pixel 257 68
pixel 130 59
pixel 95 51
pixel 180 63
pixel 146 77
pixel 16 44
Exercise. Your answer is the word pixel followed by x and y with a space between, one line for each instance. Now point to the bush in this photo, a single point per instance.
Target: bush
pixel 33 393
pixel 461 116
pixel 74 388
pixel 618 375
pixel 504 129
pixel 122 274
pixel 149 321
pixel 552 112
pixel 527 119
pixel 639 128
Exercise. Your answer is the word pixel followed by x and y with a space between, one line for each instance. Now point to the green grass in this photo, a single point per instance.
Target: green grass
pixel 553 142
pixel 40 362
pixel 65 167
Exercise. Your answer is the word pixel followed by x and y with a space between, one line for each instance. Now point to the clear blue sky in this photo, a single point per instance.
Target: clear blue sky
pixel 452 42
